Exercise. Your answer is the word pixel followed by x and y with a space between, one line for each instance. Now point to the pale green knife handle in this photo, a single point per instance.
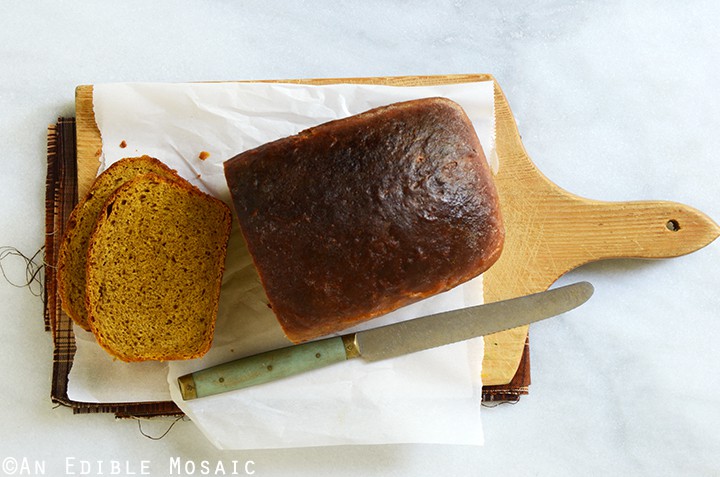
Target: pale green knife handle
pixel 262 368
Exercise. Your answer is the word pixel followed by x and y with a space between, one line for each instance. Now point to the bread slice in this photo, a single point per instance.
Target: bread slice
pixel 155 262
pixel 73 250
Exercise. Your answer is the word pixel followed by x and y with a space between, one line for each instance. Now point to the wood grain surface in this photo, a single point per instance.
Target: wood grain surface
pixel 549 231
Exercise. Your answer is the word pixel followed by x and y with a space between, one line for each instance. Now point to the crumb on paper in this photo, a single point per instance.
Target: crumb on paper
pixel 203 155
pixel 199 176
pixel 123 144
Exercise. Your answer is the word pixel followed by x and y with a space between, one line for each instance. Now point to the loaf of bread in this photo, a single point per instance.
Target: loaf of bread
pixel 72 258
pixel 357 217
pixel 155 262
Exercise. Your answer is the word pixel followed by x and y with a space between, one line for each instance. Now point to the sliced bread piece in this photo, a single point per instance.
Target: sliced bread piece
pixel 73 250
pixel 154 269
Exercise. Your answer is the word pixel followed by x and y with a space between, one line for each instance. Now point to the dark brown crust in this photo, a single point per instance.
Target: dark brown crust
pixel 355 218
pixel 226 224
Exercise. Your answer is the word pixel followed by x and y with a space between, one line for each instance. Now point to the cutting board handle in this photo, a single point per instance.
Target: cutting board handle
pixel 647 229
pixel 591 230
pixel 564 231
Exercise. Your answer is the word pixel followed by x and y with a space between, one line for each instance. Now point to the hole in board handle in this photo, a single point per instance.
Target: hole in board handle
pixel 672 225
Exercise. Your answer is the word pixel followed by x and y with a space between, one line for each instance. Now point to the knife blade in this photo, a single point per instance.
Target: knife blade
pixel 385 342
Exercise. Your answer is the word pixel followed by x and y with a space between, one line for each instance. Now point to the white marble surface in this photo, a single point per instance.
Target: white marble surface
pixel 615 100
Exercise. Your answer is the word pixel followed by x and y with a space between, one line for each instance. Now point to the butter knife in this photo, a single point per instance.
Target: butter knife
pixel 386 341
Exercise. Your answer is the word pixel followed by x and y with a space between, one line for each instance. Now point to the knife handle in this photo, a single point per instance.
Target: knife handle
pixel 264 367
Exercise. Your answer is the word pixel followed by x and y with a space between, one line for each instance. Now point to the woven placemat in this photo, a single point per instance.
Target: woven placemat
pixel 61 197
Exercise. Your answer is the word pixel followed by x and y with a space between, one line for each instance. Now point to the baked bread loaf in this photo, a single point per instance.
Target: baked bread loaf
pixel 357 217
pixel 73 249
pixel 155 262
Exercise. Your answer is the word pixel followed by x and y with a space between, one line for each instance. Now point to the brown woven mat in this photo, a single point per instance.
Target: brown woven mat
pixel 512 391
pixel 61 197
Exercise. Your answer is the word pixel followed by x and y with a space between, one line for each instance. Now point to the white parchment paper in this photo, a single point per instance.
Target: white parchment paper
pixel 428 397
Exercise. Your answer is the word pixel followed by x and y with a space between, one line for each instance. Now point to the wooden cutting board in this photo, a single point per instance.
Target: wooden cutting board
pixel 549 230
